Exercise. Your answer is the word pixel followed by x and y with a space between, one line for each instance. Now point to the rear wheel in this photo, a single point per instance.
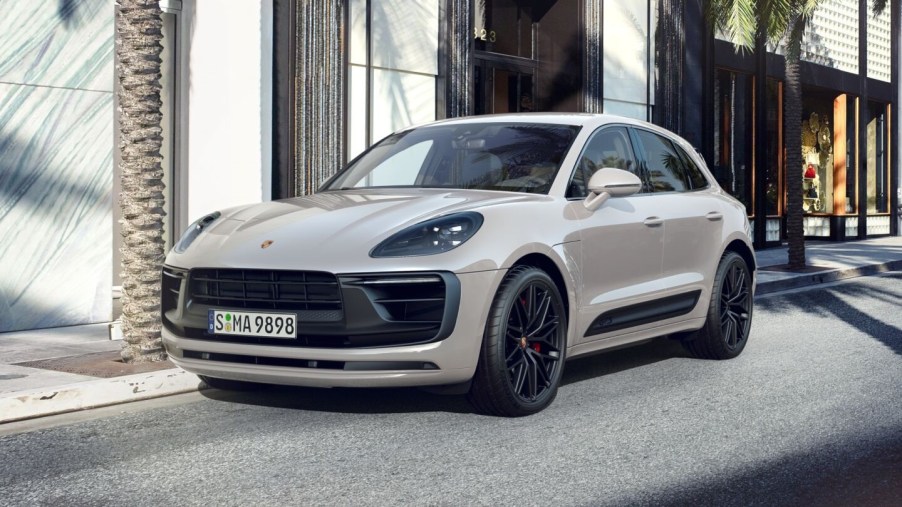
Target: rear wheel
pixel 229 384
pixel 729 320
pixel 522 357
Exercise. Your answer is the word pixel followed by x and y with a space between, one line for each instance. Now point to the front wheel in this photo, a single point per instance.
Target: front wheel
pixel 729 319
pixel 522 357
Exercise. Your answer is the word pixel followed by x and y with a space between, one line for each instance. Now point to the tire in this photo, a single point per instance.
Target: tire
pixel 225 384
pixel 729 319
pixel 519 371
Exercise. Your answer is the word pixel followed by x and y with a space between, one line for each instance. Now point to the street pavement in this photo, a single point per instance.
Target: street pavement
pixel 809 414
pixel 30 387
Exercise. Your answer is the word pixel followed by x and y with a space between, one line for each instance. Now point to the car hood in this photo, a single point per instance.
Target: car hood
pixel 329 226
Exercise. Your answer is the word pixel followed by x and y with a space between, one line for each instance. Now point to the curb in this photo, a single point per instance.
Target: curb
pixel 23 405
pixel 797 281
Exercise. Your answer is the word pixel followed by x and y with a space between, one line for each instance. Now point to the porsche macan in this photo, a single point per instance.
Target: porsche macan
pixel 474 254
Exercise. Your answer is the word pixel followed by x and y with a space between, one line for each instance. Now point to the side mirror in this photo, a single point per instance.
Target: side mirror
pixel 608 182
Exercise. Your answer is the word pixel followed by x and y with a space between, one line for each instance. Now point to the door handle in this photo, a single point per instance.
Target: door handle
pixel 653 221
pixel 714 216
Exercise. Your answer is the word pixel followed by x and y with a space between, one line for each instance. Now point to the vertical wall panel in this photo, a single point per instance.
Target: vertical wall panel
pixel 56 163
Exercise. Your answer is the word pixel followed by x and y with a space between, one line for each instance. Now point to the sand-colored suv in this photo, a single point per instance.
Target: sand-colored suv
pixel 476 254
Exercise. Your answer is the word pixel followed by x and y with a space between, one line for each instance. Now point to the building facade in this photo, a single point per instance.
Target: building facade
pixel 265 99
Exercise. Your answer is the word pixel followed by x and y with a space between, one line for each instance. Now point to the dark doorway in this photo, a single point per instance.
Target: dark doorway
pixel 528 55
pixel 504 88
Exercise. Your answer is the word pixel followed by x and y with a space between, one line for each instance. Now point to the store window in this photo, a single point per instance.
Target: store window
pixel 817 171
pixel 733 130
pixel 878 160
pixel 774 154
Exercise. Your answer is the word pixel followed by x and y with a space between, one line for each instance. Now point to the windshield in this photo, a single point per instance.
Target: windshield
pixel 516 157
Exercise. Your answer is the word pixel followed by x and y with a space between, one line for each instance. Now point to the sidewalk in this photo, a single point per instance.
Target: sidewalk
pixel 53 371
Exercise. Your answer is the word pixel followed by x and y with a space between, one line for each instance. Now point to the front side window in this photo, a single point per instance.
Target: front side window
pixel 609 147
pixel 663 167
pixel 515 157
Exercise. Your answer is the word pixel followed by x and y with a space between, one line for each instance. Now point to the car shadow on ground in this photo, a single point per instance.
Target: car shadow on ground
pixel 411 400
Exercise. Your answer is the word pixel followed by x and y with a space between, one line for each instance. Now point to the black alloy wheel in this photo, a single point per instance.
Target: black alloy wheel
pixel 729 320
pixel 522 356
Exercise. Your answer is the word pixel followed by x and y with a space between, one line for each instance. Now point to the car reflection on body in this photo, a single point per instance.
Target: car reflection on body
pixel 475 254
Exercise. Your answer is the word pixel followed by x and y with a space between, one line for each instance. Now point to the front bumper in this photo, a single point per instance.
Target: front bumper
pixel 447 360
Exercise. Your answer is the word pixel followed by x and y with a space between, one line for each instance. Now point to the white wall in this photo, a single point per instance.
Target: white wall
pixel 229 103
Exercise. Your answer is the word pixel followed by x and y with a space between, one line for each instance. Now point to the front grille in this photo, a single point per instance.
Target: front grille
pixel 315 296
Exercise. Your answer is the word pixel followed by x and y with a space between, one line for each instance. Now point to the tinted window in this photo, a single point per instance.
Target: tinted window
pixel 609 147
pixel 516 157
pixel 664 168
pixel 696 177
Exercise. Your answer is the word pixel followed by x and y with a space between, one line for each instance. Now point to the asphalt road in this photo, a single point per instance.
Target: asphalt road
pixel 809 414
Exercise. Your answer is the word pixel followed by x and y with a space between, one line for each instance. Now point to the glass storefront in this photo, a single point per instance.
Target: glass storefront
pixel 878 159
pixel 774 129
pixel 733 134
pixel 817 171
pixel 528 56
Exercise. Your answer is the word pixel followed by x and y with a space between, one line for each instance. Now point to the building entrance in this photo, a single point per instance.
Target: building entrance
pixel 504 88
pixel 528 56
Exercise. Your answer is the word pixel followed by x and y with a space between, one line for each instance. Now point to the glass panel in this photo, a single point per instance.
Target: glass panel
pixel 877 178
pixel 560 54
pixel 693 174
pixel 851 157
pixel 610 147
pixel 626 67
pixel 516 157
pixel 663 166
pixel 503 26
pixel 774 147
pixel 733 146
pixel 817 151
pixel 400 169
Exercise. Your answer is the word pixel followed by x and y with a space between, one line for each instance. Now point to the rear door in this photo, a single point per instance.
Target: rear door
pixel 693 219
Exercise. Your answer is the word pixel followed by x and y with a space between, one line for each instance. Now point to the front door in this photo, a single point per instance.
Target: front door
pixel 504 87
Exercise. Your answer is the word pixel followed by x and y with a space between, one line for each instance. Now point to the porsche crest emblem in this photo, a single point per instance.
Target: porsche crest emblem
pixel 266 244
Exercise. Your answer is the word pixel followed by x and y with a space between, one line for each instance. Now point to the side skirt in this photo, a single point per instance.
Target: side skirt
pixel 644 313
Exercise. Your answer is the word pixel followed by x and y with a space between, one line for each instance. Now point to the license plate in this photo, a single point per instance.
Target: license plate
pixel 269 325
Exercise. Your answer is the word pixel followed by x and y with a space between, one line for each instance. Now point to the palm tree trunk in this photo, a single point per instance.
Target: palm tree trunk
pixel 795 233
pixel 138 48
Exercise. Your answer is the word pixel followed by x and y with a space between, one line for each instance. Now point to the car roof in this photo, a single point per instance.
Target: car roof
pixel 578 119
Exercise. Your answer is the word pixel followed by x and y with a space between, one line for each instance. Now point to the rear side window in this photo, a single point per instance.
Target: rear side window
pixel 696 177
pixel 664 166
pixel 608 147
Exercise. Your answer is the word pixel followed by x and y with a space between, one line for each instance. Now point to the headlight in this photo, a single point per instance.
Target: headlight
pixel 431 237
pixel 194 230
